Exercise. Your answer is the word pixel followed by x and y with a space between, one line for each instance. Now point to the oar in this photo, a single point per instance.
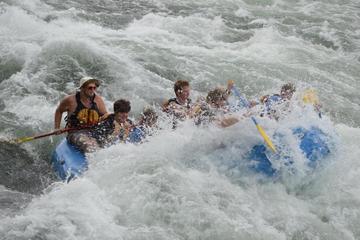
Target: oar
pixel 310 97
pixel 56 132
pixel 259 128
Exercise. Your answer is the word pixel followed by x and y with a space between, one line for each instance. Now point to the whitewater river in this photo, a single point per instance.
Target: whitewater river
pixel 187 183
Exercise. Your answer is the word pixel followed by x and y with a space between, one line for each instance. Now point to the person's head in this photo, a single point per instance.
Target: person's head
pixel 287 90
pixel 121 110
pixel 182 89
pixel 88 86
pixel 217 97
pixel 148 117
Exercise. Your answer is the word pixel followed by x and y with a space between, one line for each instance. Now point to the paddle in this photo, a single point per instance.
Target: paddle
pixel 56 132
pixel 247 104
pixel 310 97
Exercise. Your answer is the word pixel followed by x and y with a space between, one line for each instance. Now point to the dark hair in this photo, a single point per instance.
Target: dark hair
pixel 216 95
pixel 122 105
pixel 149 112
pixel 179 84
pixel 149 116
pixel 288 88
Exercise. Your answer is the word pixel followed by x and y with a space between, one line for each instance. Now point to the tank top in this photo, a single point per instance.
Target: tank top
pixel 82 115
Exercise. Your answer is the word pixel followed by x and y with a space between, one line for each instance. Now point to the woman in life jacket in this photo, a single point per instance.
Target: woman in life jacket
pixel 216 109
pixel 146 126
pixel 84 109
pixel 275 105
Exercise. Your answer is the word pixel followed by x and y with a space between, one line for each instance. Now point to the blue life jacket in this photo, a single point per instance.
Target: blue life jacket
pixel 270 102
pixel 136 135
pixel 274 99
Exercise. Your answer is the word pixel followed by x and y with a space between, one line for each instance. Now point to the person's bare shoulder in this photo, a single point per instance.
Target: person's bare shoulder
pixel 101 104
pixel 67 103
pixel 69 99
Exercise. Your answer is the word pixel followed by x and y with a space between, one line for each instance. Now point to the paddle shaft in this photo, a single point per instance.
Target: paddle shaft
pixel 56 132
pixel 259 128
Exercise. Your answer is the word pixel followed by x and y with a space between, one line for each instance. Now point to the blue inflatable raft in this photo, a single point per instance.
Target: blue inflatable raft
pixel 68 161
pixel 313 143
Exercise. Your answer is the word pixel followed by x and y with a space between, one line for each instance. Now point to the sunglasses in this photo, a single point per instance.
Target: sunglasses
pixel 91 88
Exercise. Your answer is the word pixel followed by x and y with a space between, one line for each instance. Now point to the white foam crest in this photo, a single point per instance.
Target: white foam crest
pixel 242 12
pixel 16 25
pixel 31 110
pixel 169 31
pixel 269 46
pixel 21 26
pixel 198 35
pixel 67 213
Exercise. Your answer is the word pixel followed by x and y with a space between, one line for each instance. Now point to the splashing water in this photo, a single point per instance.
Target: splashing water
pixel 189 183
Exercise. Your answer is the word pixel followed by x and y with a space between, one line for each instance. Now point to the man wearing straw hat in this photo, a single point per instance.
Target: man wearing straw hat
pixel 84 109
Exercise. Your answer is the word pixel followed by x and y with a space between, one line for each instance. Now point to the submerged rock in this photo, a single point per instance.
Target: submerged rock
pixel 19 171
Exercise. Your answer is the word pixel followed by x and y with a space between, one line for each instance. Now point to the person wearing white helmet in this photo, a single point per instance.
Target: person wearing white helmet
pixel 84 109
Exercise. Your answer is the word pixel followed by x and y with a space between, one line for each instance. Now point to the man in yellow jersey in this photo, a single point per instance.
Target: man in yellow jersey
pixel 84 109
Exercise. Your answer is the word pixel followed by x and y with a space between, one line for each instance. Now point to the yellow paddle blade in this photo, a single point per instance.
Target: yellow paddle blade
pixel 266 137
pixel 24 139
pixel 196 109
pixel 310 97
pixel 232 82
